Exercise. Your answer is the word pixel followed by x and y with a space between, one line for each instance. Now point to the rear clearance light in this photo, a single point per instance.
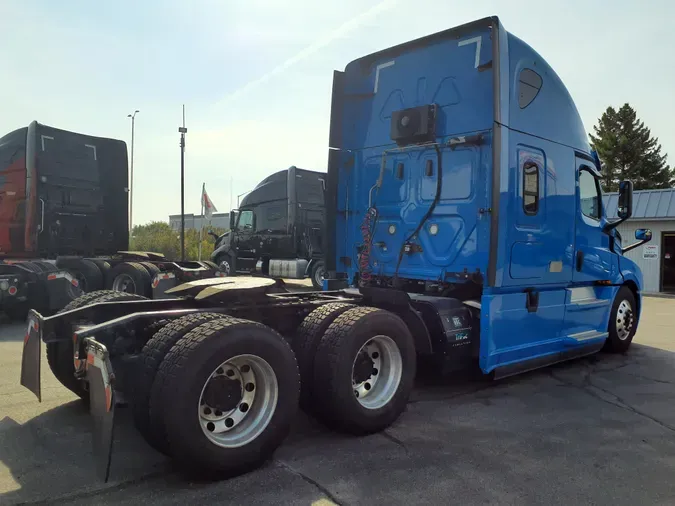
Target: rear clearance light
pixel 58 275
pixel 12 290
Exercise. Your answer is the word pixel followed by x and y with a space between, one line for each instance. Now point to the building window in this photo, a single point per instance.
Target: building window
pixel 589 195
pixel 530 188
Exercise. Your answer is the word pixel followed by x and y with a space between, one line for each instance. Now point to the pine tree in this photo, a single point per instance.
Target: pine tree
pixel 628 151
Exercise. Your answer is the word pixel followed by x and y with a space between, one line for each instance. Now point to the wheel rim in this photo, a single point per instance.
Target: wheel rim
pixel 124 283
pixel 374 388
pixel 224 267
pixel 319 276
pixel 624 320
pixel 238 401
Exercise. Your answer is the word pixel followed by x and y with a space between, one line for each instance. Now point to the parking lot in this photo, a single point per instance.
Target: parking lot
pixel 596 431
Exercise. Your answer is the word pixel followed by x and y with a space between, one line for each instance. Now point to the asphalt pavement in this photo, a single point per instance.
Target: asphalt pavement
pixel 599 430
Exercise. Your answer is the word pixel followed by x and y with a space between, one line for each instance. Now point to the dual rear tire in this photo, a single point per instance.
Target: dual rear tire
pixel 222 397
pixel 219 394
pixel 358 367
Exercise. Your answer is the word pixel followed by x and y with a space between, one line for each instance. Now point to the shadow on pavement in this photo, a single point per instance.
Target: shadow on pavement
pixel 596 430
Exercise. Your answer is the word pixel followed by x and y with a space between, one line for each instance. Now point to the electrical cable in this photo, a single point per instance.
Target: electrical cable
pixel 439 186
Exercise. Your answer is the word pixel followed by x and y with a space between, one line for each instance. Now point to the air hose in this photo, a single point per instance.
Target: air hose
pixel 439 186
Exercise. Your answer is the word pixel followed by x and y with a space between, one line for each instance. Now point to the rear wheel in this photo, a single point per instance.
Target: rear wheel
pixel 318 274
pixel 152 355
pixel 32 266
pixel 230 392
pixel 210 265
pixel 87 273
pixel 45 266
pixel 623 321
pixel 60 355
pixel 306 341
pixel 364 371
pixel 104 267
pixel 152 269
pixel 131 277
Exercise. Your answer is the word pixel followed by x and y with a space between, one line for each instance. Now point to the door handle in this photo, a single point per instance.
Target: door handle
pixel 580 260
pixel 42 222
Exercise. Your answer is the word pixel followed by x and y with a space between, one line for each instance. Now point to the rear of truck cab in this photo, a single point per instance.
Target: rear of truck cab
pixel 461 158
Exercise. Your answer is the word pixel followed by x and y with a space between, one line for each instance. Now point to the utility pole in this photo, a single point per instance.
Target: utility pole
pixel 131 182
pixel 182 131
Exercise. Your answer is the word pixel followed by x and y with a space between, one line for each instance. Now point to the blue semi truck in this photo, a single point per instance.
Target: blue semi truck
pixel 465 228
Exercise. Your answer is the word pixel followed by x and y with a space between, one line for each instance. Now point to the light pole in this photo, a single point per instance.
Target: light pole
pixel 131 183
pixel 241 195
pixel 182 130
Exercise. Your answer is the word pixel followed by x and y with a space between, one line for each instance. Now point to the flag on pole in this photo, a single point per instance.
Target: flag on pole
pixel 208 206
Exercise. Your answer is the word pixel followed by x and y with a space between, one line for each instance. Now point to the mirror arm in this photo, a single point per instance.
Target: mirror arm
pixel 611 226
pixel 633 246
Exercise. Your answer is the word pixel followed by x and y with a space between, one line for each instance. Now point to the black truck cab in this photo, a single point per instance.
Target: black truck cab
pixel 277 230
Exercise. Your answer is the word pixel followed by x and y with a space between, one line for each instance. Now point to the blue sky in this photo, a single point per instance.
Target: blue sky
pixel 256 75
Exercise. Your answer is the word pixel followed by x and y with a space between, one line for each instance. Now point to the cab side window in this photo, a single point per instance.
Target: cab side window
pixel 271 218
pixel 589 195
pixel 245 220
pixel 530 188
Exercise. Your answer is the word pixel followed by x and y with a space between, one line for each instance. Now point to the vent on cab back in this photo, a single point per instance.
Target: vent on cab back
pixel 414 126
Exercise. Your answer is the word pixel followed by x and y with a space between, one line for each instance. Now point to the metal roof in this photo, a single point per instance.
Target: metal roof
pixel 647 204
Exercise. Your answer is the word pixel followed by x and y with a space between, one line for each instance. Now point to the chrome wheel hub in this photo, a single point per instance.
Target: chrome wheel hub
pixel 377 372
pixel 625 320
pixel 238 401
pixel 124 283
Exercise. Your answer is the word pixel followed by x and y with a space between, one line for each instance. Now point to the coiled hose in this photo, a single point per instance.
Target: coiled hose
pixel 367 235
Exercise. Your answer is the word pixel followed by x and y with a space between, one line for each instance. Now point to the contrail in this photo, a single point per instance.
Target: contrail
pixel 315 46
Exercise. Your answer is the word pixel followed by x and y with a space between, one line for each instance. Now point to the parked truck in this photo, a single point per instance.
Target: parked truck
pixel 278 229
pixel 465 226
pixel 64 221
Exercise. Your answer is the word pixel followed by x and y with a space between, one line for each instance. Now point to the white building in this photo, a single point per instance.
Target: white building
pixel 218 220
pixel 655 210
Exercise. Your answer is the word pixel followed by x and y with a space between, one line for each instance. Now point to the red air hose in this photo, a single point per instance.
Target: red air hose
pixel 367 235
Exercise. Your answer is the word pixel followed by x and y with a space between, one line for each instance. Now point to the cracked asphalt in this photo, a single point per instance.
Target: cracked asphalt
pixel 599 430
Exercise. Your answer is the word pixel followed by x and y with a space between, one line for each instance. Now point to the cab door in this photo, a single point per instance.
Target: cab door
pixel 593 259
pixel 271 223
pixel 588 303
pixel 244 241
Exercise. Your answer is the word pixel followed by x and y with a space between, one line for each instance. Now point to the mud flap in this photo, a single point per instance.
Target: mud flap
pixel 100 377
pixel 32 353
pixel 62 288
pixel 161 283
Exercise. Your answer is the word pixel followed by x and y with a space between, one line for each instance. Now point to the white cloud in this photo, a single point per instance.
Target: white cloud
pixel 313 48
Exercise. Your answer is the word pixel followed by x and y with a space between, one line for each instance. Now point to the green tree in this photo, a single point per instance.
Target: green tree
pixel 628 151
pixel 159 237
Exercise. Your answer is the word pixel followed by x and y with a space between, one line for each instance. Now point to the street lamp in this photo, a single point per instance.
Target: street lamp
pixel 131 183
pixel 241 195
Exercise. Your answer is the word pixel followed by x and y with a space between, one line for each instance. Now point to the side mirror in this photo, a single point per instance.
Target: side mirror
pixel 643 234
pixel 625 207
pixel 233 217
